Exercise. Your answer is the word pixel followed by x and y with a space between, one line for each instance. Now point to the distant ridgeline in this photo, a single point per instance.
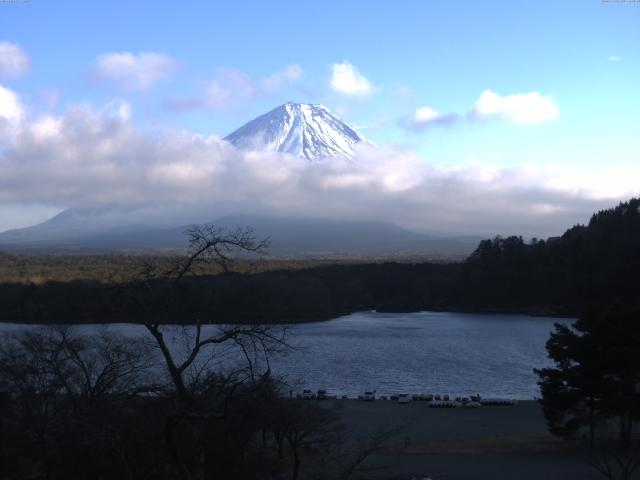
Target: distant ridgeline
pixel 589 266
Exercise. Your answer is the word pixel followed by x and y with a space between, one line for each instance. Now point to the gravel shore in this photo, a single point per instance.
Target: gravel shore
pixel 491 442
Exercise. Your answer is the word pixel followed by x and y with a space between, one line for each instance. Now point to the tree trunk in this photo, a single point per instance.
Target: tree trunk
pixel 592 421
pixel 296 460
pixel 625 431
pixel 173 450
pixel 279 441
pixel 174 371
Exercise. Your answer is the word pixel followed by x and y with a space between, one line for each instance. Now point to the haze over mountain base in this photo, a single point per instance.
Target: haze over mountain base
pixel 87 230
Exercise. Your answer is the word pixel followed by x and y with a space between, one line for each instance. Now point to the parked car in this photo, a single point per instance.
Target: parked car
pixel 307 394
pixel 404 398
pixel 322 394
pixel 368 396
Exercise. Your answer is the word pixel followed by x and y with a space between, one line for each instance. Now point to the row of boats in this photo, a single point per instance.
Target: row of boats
pixel 434 401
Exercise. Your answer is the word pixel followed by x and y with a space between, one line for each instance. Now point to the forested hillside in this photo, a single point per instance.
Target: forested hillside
pixel 592 265
pixel 587 266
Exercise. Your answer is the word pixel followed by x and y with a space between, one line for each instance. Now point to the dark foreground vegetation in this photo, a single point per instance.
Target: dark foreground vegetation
pixel 108 407
pixel 102 406
pixel 589 266
pixel 593 391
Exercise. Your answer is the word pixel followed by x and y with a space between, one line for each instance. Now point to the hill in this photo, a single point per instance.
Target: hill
pixel 94 231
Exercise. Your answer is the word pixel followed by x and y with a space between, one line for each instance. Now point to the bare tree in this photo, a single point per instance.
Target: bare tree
pixel 314 432
pixel 102 386
pixel 614 462
pixel 65 390
pixel 87 369
pixel 346 457
pixel 352 460
pixel 159 292
pixel 305 425
pixel 209 244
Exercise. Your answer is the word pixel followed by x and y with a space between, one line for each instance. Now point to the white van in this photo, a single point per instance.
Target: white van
pixel 404 398
pixel 368 396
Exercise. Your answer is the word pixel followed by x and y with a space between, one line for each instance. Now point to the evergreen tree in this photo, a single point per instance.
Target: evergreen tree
pixel 596 374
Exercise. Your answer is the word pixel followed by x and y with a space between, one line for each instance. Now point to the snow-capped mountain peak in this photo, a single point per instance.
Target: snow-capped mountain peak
pixel 303 129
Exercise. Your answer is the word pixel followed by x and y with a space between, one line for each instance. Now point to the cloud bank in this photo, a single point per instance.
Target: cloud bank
pixel 92 158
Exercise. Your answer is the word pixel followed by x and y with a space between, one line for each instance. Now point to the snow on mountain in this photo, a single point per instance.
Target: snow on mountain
pixel 301 129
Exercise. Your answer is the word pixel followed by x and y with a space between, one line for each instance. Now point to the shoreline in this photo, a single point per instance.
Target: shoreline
pixel 534 313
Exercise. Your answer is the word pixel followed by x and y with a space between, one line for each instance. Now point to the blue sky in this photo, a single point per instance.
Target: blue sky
pixel 218 65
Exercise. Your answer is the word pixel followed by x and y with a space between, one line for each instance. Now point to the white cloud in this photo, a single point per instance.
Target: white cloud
pixel 426 114
pixel 347 80
pixel 425 117
pixel 11 115
pixel 614 58
pixel 289 74
pixel 523 108
pixel 229 85
pixel 93 158
pixel 11 109
pixel 13 60
pixel 132 71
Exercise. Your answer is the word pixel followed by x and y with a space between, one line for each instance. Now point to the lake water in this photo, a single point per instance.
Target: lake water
pixel 425 352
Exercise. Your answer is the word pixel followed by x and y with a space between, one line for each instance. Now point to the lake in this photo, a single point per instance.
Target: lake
pixel 424 352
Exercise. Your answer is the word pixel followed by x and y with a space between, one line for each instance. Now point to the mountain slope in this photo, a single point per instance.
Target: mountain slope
pixel 301 129
pixel 289 236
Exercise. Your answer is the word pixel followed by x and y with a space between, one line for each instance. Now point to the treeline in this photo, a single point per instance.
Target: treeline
pixel 269 297
pixel 587 267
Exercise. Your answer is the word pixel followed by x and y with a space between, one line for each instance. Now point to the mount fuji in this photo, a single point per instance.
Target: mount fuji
pixel 305 130
pixel 301 129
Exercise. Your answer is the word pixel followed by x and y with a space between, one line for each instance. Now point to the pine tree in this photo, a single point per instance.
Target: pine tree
pixel 596 374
